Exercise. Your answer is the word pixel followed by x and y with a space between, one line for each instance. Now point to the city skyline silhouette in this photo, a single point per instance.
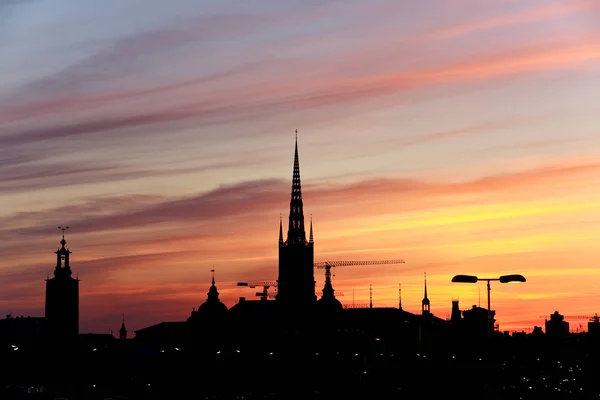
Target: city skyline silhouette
pixel 464 144
pixel 294 288
pixel 299 199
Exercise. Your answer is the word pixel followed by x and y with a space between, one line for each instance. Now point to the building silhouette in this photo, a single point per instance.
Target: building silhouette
pixel 593 326
pixel 62 302
pixel 296 281
pixel 556 326
pixel 476 321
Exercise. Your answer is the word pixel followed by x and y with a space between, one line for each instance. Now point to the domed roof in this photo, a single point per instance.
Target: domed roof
pixel 329 303
pixel 212 307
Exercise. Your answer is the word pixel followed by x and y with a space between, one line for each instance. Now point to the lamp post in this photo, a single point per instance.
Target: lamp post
pixel 475 279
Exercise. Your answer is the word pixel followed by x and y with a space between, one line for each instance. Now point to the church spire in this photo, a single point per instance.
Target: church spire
pixel 425 303
pixel 311 238
pixel 123 330
pixel 296 232
pixel 280 229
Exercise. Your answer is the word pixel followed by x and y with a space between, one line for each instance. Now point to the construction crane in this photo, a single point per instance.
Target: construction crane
pixel 327 265
pixel 265 285
pixel 273 295
pixel 591 318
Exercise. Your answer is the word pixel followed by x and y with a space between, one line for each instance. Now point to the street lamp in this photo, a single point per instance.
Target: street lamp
pixel 475 279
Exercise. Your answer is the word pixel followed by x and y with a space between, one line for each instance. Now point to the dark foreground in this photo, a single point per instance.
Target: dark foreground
pixel 498 371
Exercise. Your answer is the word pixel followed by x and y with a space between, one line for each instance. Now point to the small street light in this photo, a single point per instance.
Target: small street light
pixel 475 279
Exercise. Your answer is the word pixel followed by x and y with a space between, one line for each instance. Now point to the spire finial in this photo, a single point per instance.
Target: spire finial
pixel 370 296
pixel 213 275
pixel 425 278
pixel 63 229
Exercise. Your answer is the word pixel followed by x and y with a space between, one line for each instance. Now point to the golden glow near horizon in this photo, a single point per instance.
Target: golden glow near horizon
pixel 466 143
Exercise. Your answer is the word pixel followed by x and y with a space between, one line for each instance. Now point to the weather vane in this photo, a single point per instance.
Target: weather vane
pixel 63 229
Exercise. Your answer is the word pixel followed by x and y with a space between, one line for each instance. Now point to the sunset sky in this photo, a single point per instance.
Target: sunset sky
pixel 462 136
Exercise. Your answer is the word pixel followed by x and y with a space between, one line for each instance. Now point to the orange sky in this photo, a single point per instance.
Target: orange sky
pixel 463 139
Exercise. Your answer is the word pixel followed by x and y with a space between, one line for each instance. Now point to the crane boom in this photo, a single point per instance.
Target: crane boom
pixel 324 264
pixel 258 283
pixel 591 318
pixel 327 265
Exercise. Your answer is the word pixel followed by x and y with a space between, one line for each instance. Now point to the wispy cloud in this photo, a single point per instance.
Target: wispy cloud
pixel 244 106
pixel 529 15
pixel 160 148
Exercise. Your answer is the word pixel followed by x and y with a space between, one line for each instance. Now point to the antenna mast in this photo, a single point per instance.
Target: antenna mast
pixel 400 296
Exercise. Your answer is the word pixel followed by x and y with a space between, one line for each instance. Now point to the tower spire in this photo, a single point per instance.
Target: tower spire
pixel 280 228
pixel 123 330
pixel 425 303
pixel 400 296
pixel 311 238
pixel 296 232
pixel 370 296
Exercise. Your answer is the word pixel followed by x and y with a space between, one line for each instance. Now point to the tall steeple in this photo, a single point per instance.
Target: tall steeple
pixel 311 238
pixel 123 330
pixel 425 303
pixel 296 232
pixel 296 281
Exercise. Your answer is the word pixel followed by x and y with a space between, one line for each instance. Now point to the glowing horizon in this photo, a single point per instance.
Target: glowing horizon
pixel 460 137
